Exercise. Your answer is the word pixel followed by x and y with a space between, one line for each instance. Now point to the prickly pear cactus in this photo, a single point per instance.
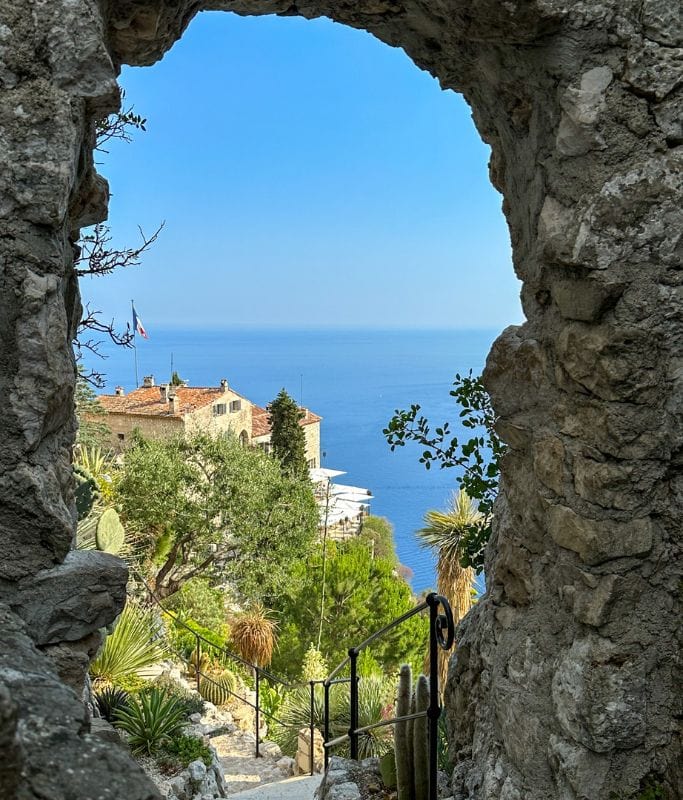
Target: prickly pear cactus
pixel 110 533
pixel 86 492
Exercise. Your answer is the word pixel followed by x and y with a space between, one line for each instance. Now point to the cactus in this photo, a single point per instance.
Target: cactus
pixel 402 744
pixel 411 729
pixel 218 688
pixel 86 491
pixel 420 748
pixel 110 533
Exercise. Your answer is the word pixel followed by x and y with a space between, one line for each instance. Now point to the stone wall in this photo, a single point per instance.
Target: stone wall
pixel 564 683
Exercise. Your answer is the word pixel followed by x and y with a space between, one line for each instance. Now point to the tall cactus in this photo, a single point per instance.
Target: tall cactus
pixel 420 747
pixel 402 745
pixel 411 728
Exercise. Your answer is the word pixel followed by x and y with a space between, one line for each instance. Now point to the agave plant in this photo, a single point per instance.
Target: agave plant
pixel 253 634
pixel 133 645
pixel 375 695
pixel 109 700
pixel 151 720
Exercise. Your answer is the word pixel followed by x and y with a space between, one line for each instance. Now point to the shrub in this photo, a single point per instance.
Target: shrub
pixel 151 720
pixel 199 601
pixel 184 641
pixel 270 699
pixel 110 699
pixel 133 645
pixel 181 750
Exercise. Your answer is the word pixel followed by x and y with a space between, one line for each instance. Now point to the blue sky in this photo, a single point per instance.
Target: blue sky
pixel 308 175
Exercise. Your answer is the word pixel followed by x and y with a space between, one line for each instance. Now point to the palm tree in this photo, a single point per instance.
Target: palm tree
pixel 443 535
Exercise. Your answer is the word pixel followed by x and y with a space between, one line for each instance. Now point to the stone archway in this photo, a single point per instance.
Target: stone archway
pixel 564 683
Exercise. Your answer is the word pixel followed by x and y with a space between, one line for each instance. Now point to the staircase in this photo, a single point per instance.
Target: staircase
pixel 302 788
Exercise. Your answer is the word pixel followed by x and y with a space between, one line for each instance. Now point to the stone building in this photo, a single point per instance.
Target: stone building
pixel 164 410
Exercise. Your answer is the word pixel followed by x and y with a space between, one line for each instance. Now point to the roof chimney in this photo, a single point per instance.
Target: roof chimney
pixel 163 393
pixel 148 382
pixel 175 402
pixel 118 391
pixel 224 384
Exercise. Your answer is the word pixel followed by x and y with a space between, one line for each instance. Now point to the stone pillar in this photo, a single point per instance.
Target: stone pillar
pixel 564 682
pixel 55 76
pixel 302 762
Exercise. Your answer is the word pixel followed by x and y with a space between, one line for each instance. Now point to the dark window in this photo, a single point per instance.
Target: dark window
pixel 219 409
pixel 121 436
pixel 235 405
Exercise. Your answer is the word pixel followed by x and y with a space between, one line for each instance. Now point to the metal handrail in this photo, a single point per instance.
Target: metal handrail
pixel 258 671
pixel 441 635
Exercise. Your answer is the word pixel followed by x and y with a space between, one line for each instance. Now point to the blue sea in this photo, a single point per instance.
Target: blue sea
pixel 355 379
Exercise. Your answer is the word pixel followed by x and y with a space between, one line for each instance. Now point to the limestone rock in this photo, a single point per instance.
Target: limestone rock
pixel 597 541
pixel 60 758
pixel 74 599
pixel 598 698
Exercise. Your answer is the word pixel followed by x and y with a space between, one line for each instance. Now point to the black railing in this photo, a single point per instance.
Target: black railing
pixel 441 635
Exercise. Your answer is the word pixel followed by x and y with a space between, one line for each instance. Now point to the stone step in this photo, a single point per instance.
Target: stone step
pixel 301 788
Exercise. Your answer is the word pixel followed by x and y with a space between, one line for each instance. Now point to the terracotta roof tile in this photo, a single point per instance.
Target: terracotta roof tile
pixel 260 424
pixel 147 401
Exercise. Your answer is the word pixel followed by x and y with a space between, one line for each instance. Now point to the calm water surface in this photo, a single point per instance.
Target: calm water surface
pixel 354 380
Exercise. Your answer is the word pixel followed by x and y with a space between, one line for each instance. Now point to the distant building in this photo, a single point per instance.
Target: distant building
pixel 165 410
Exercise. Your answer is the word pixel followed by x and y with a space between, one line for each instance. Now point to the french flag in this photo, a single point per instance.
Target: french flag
pixel 138 326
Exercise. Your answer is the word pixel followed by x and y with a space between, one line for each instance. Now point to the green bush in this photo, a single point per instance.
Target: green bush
pixel 133 645
pixel 378 532
pixel 151 720
pixel 184 642
pixel 110 699
pixel 181 750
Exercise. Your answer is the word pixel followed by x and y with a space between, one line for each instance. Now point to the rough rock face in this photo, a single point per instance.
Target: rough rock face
pixel 564 683
pixel 47 750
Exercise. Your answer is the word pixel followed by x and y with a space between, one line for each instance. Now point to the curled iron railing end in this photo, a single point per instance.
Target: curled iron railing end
pixel 444 624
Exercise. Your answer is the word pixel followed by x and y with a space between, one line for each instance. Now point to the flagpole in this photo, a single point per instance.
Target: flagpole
pixel 135 347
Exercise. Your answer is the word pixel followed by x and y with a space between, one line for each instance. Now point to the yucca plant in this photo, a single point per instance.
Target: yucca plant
pixel 110 699
pixel 443 534
pixel 254 635
pixel 133 645
pixel 375 696
pixel 151 720
pixel 374 702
